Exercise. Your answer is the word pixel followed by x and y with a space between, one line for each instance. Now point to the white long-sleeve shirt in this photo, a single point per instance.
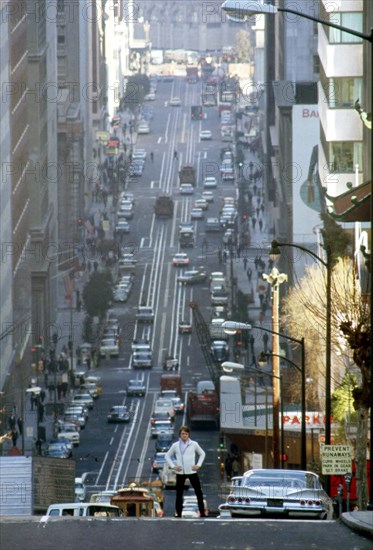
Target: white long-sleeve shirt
pixel 186 459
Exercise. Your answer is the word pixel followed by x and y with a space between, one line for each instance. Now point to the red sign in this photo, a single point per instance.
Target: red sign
pixel 336 480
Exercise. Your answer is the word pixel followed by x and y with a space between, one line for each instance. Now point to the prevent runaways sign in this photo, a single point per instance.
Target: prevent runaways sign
pixel 336 459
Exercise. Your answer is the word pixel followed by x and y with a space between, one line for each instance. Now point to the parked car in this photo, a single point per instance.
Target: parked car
pixel 83 399
pixel 284 493
pixel 69 431
pixel 136 388
pixel 138 154
pixel 78 408
pixel 136 167
pixel 143 128
pixel 122 227
pixel 58 449
pixel 90 388
pixel 118 413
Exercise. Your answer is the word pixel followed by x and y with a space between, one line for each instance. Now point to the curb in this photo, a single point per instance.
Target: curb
pixel 360 522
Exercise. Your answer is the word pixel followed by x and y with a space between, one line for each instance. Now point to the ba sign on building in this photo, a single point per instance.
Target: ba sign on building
pixel 336 459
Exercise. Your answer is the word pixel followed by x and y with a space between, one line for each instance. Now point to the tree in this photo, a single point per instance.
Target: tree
pixel 243 47
pixel 343 409
pixel 138 85
pixel 305 315
pixel 98 294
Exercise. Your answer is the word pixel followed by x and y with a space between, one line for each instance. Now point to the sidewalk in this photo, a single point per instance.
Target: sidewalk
pixel 360 522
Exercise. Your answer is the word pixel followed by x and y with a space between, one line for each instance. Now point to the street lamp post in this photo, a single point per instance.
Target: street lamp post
pixel 303 408
pixel 275 252
pixel 275 278
pixel 232 326
pixel 242 10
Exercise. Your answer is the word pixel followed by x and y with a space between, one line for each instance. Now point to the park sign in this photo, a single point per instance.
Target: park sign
pixel 336 459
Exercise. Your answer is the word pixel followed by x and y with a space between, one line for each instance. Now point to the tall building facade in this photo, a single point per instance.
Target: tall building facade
pixel 81 101
pixel 290 118
pixel 16 326
pixel 6 233
pixel 42 172
pixel 341 84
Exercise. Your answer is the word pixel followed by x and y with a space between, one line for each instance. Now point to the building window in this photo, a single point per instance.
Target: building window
pixel 345 155
pixel 61 6
pixel 61 39
pixel 316 64
pixel 343 92
pixel 351 20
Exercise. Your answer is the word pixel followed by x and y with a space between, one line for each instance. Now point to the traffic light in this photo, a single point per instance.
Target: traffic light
pixel 222 442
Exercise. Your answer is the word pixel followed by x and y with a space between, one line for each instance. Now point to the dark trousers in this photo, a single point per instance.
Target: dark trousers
pixel 194 480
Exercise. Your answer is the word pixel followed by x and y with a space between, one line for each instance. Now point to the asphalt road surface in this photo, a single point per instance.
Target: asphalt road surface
pixel 173 534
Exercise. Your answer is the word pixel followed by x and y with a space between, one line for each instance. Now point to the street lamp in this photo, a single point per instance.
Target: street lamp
pixel 241 10
pixel 275 278
pixel 262 357
pixel 275 252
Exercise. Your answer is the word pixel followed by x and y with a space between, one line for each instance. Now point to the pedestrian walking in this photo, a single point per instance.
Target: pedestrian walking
pixel 181 457
pixel 175 155
pixel 40 412
pixel 253 221
pixel 265 342
pixel 249 273
pixel 235 467
pixel 12 422
pixel 152 156
pixel 245 263
pixel 260 224
pixel 20 425
pixel 14 436
pixel 252 342
pixel 228 467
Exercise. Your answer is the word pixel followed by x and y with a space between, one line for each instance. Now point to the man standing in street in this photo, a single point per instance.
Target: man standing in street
pixel 182 458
